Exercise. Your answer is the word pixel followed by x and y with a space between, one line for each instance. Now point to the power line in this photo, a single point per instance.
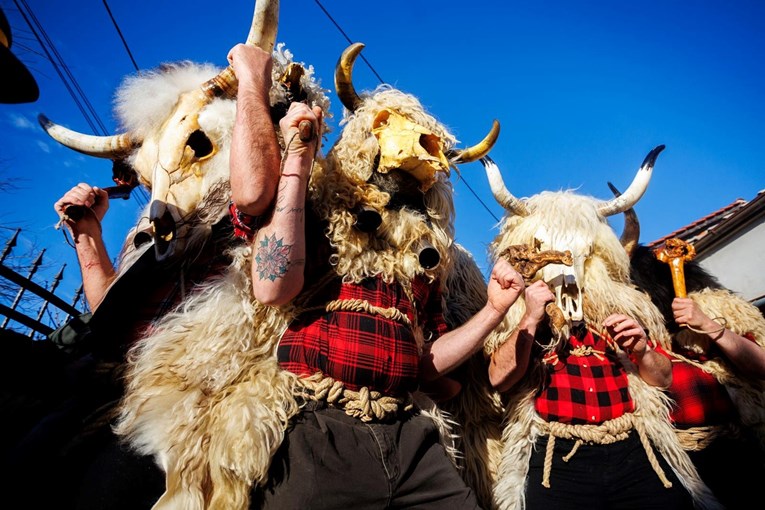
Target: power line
pixel 144 198
pixel 70 82
pixel 124 42
pixel 462 177
pixel 56 66
pixel 348 39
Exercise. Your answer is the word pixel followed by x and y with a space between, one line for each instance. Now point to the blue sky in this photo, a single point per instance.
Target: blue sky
pixel 582 90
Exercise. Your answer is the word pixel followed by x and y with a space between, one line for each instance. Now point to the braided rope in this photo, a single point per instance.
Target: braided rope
pixel 640 427
pixel 361 305
pixel 696 439
pixel 365 404
pixel 583 351
pixel 548 461
pixel 608 432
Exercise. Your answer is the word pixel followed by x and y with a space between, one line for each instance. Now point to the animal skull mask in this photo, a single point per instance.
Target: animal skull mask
pixel 563 279
pixel 564 222
pixel 408 146
pixel 179 149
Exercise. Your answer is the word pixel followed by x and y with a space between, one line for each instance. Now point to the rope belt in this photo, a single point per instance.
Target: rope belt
pixel 365 404
pixel 696 439
pixel 608 432
pixel 361 305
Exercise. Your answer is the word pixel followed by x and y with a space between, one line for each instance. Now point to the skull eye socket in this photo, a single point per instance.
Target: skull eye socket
pixel 431 144
pixel 381 119
pixel 200 144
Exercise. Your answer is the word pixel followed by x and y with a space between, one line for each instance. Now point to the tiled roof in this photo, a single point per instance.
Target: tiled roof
pixel 701 228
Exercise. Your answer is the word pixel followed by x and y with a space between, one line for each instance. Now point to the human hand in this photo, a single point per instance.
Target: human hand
pixel 91 198
pixel 290 127
pixel 252 67
pixel 688 313
pixel 505 285
pixel 627 333
pixel 537 295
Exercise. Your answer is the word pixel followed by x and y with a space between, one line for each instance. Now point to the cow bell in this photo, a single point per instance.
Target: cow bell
pixel 368 219
pixel 428 256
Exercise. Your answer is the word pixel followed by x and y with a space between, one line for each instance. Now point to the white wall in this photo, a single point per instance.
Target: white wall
pixel 740 263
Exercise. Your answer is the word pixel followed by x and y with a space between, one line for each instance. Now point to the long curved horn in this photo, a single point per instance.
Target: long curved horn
pixel 265 22
pixel 477 151
pixel 631 233
pixel 344 77
pixel 499 190
pixel 108 147
pixel 638 186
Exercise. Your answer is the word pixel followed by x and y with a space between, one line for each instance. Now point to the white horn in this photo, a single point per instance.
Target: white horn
pixel 500 191
pixel 639 184
pixel 265 22
pixel 107 147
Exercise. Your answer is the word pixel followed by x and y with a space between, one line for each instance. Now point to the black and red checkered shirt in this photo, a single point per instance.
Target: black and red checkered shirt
pixel 699 398
pixel 358 348
pixel 361 348
pixel 587 389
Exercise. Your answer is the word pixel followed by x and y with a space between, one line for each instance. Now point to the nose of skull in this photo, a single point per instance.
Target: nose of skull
pixel 568 295
pixel 177 174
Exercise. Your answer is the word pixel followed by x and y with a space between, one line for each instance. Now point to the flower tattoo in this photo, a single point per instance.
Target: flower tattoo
pixel 271 258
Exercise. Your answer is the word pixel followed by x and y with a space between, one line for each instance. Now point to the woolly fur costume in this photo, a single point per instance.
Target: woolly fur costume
pixel 565 218
pixel 206 395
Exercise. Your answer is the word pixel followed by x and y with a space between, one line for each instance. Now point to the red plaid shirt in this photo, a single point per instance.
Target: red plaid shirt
pixel 358 348
pixel 588 389
pixel 699 398
pixel 361 348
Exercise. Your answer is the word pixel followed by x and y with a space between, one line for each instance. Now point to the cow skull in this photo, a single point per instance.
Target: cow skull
pixel 567 282
pixel 404 144
pixel 407 146
pixel 170 162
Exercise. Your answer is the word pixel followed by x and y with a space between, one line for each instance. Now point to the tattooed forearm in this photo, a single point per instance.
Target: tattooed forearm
pixel 272 258
pixel 293 210
pixel 278 207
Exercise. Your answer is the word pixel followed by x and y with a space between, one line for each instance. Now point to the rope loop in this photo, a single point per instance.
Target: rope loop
pixel 365 404
pixel 608 432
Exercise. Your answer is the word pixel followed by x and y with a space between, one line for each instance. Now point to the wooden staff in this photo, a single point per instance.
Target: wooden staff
pixel 676 253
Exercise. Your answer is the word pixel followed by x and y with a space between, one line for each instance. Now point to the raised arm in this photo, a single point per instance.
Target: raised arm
pixel 254 160
pixel 455 347
pixel 653 367
pixel 279 246
pixel 510 361
pixel 95 265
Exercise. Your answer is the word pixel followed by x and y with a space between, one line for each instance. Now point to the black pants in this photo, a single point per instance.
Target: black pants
pixel 602 477
pixel 332 461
